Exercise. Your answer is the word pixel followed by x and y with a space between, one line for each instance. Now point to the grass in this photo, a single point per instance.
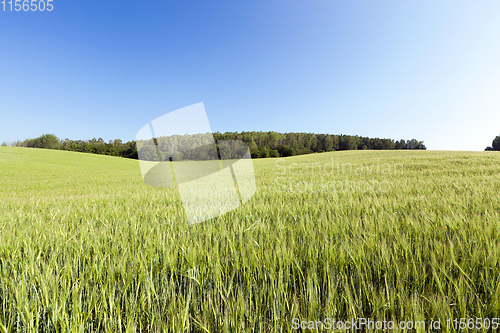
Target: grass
pixel 85 245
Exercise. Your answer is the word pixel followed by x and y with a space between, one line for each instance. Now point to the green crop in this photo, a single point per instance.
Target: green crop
pixel 85 245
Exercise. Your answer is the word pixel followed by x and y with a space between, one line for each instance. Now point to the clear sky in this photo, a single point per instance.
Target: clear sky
pixel 428 70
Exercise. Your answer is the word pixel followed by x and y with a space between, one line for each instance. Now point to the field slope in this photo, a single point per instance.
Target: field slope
pixel 85 245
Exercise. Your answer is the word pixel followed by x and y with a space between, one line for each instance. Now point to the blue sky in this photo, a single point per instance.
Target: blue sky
pixel 394 69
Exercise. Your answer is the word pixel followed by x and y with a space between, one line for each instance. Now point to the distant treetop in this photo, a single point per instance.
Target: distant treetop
pixel 261 144
pixel 495 145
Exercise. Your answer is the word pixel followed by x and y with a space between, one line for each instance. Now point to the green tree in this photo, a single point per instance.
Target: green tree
pixel 47 141
pixel 496 143
pixel 50 141
pixel 415 144
pixel 401 144
pixel 274 153
pixel 347 142
pixel 252 146
pixel 149 153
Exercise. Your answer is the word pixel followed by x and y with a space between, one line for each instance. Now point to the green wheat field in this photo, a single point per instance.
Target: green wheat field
pixel 86 246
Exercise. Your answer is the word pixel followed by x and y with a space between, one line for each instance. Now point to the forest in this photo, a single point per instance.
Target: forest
pixel 261 144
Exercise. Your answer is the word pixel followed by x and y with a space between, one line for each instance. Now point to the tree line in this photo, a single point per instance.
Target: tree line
pixel 273 144
pixel 94 146
pixel 261 144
